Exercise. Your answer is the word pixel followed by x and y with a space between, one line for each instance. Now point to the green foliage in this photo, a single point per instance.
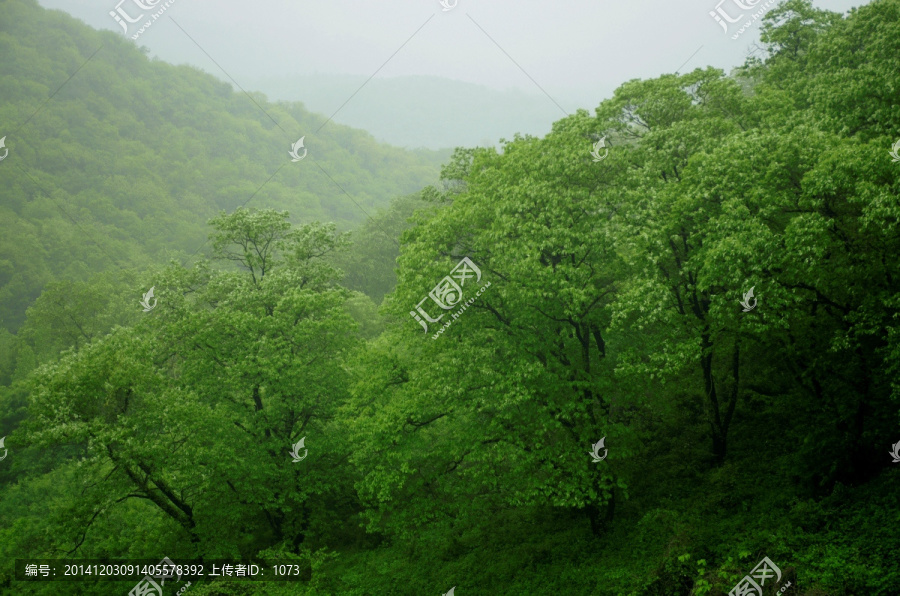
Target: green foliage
pixel 459 457
pixel 371 259
pixel 124 165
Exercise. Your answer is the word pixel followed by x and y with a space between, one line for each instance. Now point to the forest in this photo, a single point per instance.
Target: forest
pixel 697 280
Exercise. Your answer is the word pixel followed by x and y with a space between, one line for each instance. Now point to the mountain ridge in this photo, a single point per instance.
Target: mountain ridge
pixel 419 111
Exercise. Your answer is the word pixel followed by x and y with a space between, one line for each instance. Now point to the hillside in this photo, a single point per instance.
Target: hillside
pixel 129 157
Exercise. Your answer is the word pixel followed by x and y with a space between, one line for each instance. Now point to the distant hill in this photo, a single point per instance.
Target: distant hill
pixel 419 111
pixel 130 157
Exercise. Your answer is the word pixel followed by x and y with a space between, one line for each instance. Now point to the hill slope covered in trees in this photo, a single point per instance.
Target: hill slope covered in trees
pixel 129 157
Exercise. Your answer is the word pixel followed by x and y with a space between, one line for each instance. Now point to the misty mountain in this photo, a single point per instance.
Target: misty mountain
pixel 419 111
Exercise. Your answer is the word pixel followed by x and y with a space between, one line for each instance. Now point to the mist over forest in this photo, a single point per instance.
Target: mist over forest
pixel 652 352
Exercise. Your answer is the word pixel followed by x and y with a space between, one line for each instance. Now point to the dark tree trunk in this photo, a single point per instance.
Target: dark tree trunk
pixel 601 518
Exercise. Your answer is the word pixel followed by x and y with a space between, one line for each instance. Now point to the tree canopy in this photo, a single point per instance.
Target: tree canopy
pixel 715 304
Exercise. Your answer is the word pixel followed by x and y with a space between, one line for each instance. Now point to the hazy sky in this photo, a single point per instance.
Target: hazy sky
pixel 578 51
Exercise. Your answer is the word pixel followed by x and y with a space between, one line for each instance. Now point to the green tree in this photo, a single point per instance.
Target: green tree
pixel 195 409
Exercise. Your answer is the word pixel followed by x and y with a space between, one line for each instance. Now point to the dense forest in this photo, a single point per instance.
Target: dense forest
pixel 131 157
pixel 709 299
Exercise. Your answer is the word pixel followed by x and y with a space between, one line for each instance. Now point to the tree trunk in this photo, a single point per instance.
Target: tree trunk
pixel 718 431
pixel 600 519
